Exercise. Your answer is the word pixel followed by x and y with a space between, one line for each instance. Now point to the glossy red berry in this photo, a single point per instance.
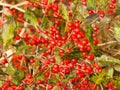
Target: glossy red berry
pixel 90 57
pixel 90 12
pixel 95 42
pixel 38 82
pixel 19 88
pixel 32 60
pixel 3 61
pixel 50 86
pixel 52 60
pixel 30 76
pixel 113 1
pixel 112 6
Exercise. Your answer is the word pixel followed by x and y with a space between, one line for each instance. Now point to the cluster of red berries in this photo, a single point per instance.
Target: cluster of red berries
pixel 10 86
pixel 110 86
pixel 102 13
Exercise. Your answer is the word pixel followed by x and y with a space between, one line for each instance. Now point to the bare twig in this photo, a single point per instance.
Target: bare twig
pixel 102 44
pixel 15 6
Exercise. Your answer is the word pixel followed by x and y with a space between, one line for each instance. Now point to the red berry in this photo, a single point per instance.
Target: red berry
pixel 113 1
pixel 74 61
pixel 30 76
pixel 52 60
pixel 50 86
pixel 95 28
pixel 32 60
pixel 38 82
pixel 88 48
pixel 102 15
pixel 19 88
pixel 56 66
pixel 3 61
pixel 112 6
pixel 90 12
pixel 95 42
pixel 90 57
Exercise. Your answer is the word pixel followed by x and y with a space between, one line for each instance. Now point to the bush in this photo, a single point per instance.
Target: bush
pixel 60 45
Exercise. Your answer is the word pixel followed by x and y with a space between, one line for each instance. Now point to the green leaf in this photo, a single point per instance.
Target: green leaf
pixel 39 77
pixel 107 60
pixel 38 12
pixel 8 33
pixel 110 72
pixel 102 3
pixel 74 54
pixel 30 17
pixel 18 76
pixel 75 1
pixel 69 76
pixel 91 4
pixel 63 11
pixel 89 32
pixel 1 83
pixel 90 19
pixel 98 79
pixel 53 80
pixel 106 80
pixel 82 10
pixel 2 72
pixel 58 58
pixel 117 11
pixel 10 69
pixel 117 68
pixel 22 46
pixel 1 40
pixel 117 31
pixel 116 81
pixel 44 23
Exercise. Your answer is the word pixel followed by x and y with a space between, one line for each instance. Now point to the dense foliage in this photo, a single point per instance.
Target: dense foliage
pixel 59 44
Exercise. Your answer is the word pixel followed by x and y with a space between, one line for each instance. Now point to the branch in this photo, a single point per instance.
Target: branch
pixel 102 44
pixel 15 6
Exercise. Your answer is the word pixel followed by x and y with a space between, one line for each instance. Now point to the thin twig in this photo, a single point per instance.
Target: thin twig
pixel 101 87
pixel 102 44
pixel 15 6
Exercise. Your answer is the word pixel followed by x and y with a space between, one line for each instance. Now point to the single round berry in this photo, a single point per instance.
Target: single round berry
pixel 113 1
pixel 112 6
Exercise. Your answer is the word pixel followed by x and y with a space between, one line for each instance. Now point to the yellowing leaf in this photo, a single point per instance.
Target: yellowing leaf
pixel 8 33
pixel 39 77
pixel 44 22
pixel 110 72
pixel 63 11
pixel 117 32
pixel 31 18
pixel 91 4
pixel 117 68
pixel 98 79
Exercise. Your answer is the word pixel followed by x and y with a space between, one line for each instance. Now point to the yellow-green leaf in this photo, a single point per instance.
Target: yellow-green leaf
pixel 117 68
pixel 91 4
pixel 64 12
pixel 31 18
pixel 117 31
pixel 8 33
pixel 110 72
